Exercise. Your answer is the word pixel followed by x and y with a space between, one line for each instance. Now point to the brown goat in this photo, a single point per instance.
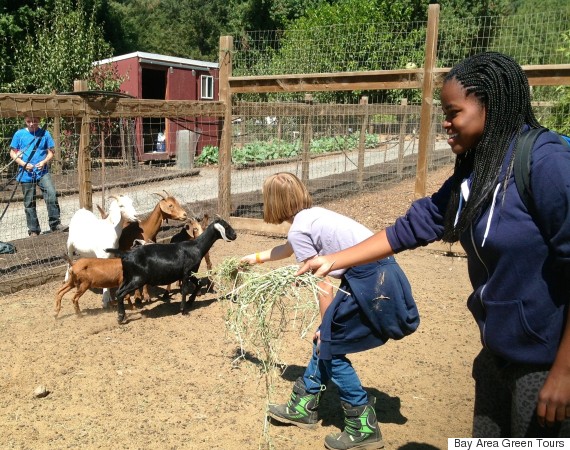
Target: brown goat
pixel 148 228
pixel 87 273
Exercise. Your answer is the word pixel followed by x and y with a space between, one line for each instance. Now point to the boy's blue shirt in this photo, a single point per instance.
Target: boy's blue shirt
pixel 25 141
pixel 520 275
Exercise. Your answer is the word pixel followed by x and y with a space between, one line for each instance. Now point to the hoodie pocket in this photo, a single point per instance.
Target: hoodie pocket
pixel 507 333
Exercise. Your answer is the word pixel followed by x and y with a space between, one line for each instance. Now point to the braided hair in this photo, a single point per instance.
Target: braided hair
pixel 500 84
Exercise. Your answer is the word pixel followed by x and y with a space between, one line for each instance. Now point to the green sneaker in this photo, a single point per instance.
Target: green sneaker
pixel 300 410
pixel 361 429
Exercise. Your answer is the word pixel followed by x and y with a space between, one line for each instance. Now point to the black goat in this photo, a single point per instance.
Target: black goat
pixel 161 264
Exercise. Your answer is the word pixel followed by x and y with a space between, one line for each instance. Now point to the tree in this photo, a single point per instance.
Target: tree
pixel 17 19
pixel 63 49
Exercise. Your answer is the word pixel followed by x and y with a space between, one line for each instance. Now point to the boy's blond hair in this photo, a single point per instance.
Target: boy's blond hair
pixel 284 195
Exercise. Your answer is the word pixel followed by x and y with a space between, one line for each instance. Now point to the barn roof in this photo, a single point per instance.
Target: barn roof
pixel 162 60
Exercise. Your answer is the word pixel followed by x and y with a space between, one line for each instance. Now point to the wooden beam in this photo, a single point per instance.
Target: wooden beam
pixel 545 75
pixel 15 105
pixel 341 81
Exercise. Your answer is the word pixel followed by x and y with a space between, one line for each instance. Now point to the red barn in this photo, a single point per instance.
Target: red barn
pixel 160 77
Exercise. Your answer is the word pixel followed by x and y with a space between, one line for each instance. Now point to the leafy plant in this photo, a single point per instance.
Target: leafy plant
pixel 259 151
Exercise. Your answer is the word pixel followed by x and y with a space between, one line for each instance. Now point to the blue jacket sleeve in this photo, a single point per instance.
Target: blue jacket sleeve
pixel 422 223
pixel 550 186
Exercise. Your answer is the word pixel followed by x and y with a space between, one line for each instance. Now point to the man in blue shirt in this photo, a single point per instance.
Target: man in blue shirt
pixel 32 148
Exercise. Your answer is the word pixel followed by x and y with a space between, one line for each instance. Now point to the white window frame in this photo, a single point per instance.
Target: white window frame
pixel 206 87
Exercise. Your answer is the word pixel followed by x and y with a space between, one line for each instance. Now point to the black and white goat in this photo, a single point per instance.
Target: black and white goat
pixel 161 264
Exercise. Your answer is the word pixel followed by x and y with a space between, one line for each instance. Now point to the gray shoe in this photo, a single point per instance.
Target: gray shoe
pixel 361 430
pixel 300 410
pixel 60 227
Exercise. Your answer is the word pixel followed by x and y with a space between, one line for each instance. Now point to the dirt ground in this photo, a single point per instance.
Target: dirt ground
pixel 166 381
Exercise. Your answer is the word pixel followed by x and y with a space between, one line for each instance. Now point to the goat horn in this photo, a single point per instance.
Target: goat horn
pixel 113 197
pixel 160 195
pixel 166 192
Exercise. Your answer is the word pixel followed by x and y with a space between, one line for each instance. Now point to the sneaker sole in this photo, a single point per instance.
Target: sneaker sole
pixel 376 445
pixel 304 426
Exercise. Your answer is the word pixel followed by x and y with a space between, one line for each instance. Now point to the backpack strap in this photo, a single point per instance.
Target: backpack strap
pixel 521 167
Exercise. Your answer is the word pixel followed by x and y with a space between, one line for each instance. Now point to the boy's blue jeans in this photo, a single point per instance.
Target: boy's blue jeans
pixel 50 197
pixel 339 370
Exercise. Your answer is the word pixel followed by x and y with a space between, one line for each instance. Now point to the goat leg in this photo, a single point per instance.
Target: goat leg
pixel 186 290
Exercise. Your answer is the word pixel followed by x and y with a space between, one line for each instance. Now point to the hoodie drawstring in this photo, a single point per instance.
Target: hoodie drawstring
pixel 491 214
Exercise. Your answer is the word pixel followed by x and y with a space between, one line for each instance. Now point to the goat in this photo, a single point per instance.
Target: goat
pixel 148 228
pixel 88 273
pixel 162 264
pixel 90 236
pixel 191 230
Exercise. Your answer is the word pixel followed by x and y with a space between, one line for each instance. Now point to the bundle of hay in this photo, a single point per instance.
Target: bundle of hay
pixel 264 304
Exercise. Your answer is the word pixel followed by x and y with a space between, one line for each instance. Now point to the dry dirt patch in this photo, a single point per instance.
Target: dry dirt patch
pixel 166 381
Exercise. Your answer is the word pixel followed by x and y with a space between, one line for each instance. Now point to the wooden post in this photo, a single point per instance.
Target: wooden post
pixel 402 139
pixel 427 100
pixel 57 162
pixel 306 139
pixel 102 165
pixel 242 131
pixel 79 85
pixel 122 136
pixel 225 150
pixel 84 157
pixel 362 142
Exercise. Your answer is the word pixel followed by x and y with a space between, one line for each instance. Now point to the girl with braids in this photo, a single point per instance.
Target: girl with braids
pixel 518 262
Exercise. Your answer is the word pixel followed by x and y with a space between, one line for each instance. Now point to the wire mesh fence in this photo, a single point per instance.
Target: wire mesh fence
pixel 342 138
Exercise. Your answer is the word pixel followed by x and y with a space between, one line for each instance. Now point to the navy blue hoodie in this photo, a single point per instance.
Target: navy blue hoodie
pixel 519 267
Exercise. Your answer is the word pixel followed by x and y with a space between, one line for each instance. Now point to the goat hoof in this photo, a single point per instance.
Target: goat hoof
pixel 121 318
pixel 184 312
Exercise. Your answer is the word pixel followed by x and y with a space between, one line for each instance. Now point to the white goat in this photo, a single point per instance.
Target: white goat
pixel 90 236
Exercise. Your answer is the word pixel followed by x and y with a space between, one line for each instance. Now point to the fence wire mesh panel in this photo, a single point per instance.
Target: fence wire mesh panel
pixel 145 156
pixel 344 135
pixel 335 48
pixel 336 149
pixel 531 39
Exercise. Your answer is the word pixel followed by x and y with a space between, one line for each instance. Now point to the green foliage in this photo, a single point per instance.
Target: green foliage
pixel 533 36
pixel 16 20
pixel 184 28
pixel 61 51
pixel 259 151
pixel 559 119
pixel 341 36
